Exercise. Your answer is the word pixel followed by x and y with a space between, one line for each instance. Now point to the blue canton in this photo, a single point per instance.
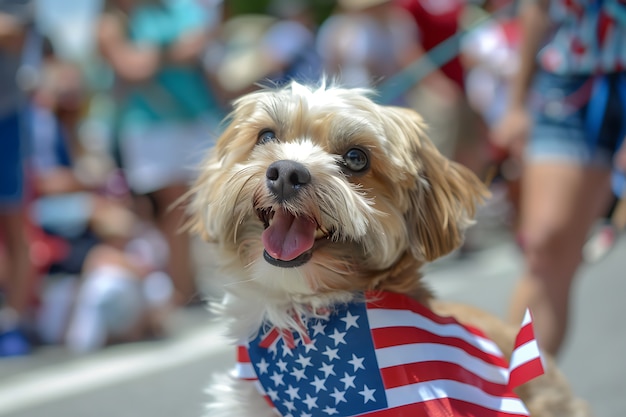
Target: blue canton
pixel 336 374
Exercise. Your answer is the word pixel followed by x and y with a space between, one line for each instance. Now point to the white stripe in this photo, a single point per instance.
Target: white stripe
pixel 525 353
pixel 527 318
pixel 433 390
pixel 427 352
pixel 243 371
pixel 381 318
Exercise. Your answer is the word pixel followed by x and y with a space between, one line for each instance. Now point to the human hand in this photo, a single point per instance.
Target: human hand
pixel 512 131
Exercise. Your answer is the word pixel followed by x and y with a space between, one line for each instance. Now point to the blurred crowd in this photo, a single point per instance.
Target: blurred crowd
pixel 96 154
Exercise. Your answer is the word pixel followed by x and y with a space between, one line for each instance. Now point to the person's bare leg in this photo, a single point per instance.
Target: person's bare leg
pixel 170 219
pixel 19 270
pixel 559 204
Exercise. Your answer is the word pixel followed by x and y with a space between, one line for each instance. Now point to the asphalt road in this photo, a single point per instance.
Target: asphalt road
pixel 166 378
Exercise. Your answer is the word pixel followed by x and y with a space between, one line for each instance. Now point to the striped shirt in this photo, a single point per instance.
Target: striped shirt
pixel 383 357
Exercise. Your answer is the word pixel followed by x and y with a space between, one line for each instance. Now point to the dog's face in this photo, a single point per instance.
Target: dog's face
pixel 317 190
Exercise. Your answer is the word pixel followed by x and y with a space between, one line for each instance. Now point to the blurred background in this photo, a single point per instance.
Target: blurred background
pixel 101 297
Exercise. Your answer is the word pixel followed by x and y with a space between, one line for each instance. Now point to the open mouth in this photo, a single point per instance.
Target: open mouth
pixel 288 239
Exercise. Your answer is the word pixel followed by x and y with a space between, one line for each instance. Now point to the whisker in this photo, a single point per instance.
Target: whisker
pixel 232 284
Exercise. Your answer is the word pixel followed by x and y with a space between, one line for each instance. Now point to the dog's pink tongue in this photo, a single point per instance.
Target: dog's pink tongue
pixel 288 236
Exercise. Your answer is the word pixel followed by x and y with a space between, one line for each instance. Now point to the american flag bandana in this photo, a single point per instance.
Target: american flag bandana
pixel 388 356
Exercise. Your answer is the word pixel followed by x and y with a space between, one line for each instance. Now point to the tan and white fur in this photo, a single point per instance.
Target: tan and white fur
pixel 369 199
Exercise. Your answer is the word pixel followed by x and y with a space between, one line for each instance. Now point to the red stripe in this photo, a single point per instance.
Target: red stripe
pixel 526 372
pixel 268 400
pixel 242 355
pixel 288 338
pixel 393 301
pixel 440 408
pixel 413 373
pixel 394 336
pixel 269 338
pixel 525 335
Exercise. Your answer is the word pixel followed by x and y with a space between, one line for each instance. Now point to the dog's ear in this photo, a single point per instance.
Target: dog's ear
pixel 199 196
pixel 442 195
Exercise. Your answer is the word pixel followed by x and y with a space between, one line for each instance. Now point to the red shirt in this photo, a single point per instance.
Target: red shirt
pixel 438 20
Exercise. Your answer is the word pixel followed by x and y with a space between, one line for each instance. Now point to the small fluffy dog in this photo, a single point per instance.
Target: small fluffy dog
pixel 324 206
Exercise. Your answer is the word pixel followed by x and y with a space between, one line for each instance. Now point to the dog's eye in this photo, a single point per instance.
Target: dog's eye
pixel 266 136
pixel 356 160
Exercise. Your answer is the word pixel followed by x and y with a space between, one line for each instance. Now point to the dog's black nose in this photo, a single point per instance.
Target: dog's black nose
pixel 285 178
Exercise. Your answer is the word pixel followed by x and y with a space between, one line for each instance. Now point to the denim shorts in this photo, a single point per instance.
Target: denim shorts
pixel 579 119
